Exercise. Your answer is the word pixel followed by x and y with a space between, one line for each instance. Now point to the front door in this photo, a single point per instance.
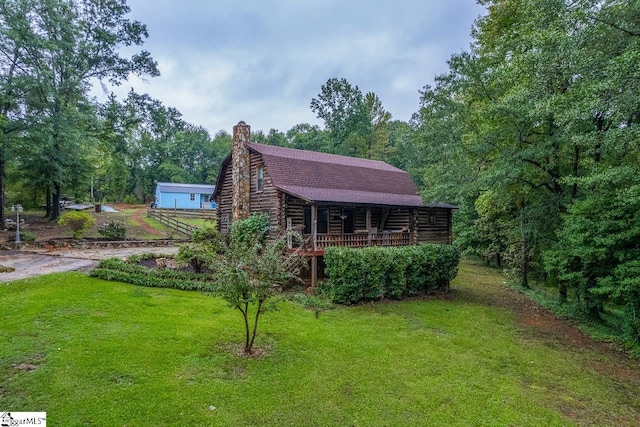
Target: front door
pixel 323 220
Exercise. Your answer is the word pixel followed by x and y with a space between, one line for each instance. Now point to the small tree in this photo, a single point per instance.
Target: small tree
pixel 77 222
pixel 249 269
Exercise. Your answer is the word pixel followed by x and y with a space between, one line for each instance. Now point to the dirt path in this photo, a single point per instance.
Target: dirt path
pixel 539 324
pixel 137 216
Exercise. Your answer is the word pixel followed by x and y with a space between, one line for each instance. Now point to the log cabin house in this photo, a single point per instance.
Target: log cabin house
pixel 330 200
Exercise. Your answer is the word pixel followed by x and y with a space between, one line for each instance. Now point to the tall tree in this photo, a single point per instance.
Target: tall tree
pixel 377 143
pixel 305 136
pixel 508 96
pixel 534 134
pixel 341 107
pixel 358 124
pixel 71 43
pixel 15 80
pixel 597 255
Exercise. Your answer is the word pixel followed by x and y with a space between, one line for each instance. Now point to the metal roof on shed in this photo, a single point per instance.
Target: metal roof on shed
pixel 170 187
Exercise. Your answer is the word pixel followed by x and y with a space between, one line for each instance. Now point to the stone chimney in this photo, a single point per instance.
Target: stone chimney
pixel 241 171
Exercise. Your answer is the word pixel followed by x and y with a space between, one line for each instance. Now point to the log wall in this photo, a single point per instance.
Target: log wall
pixel 265 201
pixel 434 225
pixel 224 200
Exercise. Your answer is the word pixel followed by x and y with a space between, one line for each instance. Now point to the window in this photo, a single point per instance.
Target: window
pixel 432 218
pixel 260 185
pixel 192 197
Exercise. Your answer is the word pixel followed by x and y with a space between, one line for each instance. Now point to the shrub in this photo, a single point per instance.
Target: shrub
pixel 130 199
pixel 317 303
pixel 115 269
pixel 78 222
pixel 207 234
pixel 201 252
pixel 346 270
pixel 27 236
pixel 396 278
pixel 252 230
pixel 113 230
pixel 364 274
pixel 197 255
pixel 4 269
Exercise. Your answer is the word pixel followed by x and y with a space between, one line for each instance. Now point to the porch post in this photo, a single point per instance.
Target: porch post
pixel 368 225
pixel 413 226
pixel 314 258
pixel 368 218
pixel 314 225
pixel 314 271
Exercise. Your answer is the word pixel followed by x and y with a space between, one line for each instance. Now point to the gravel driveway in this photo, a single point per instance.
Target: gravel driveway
pixel 29 264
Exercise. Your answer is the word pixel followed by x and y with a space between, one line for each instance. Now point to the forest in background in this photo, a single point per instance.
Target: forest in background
pixel 533 132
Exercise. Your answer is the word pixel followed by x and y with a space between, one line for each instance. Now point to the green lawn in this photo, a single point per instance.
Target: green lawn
pixel 198 222
pixel 115 354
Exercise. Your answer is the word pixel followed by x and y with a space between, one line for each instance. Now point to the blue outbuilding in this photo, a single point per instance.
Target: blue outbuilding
pixel 184 196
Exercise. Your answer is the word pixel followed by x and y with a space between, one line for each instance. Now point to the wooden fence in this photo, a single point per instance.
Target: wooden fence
pixel 161 216
pixel 208 214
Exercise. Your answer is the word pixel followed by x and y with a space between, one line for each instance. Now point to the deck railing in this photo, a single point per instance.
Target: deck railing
pixel 363 240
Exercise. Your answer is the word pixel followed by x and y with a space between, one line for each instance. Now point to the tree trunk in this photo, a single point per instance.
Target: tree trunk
pixel 55 205
pixel 524 281
pixel 255 327
pixel 3 144
pixel 49 210
pixel 245 316
pixel 591 303
pixel 562 293
pixel 2 183
pixel 524 264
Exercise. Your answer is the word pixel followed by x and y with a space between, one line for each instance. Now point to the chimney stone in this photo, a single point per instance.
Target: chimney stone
pixel 241 171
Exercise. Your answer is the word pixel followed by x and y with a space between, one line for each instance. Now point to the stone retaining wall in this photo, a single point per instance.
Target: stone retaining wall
pixel 86 244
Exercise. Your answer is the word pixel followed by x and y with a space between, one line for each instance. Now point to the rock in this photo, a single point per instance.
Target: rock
pixel 167 263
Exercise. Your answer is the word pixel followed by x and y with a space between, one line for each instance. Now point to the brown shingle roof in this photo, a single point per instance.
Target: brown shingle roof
pixel 322 177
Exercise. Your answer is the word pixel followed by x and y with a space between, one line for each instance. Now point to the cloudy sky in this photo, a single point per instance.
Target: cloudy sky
pixel 262 62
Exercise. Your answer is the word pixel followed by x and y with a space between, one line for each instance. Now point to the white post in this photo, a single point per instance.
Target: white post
pixel 18 209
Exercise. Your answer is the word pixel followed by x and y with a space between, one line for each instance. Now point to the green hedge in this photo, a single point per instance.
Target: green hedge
pixel 115 269
pixel 373 273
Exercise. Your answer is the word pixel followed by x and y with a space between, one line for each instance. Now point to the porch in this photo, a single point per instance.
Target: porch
pixel 350 226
